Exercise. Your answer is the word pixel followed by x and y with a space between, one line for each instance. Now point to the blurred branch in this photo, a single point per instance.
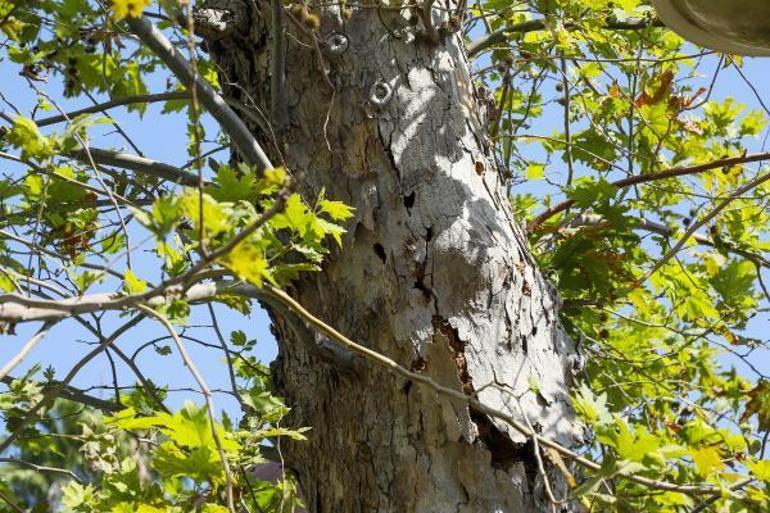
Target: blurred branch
pixel 41 468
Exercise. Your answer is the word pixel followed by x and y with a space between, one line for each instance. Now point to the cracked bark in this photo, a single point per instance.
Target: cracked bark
pixel 434 272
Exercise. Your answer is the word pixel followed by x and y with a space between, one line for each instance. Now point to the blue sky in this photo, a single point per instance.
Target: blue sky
pixel 164 138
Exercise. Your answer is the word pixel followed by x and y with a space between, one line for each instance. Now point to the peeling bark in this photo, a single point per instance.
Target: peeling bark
pixel 434 272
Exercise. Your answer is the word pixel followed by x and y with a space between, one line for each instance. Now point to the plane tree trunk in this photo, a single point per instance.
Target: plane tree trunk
pixel 434 272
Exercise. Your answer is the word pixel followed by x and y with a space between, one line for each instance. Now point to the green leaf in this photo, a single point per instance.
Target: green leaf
pixel 234 187
pixel 535 171
pixel 295 216
pixel 586 191
pixel 591 408
pixel 760 469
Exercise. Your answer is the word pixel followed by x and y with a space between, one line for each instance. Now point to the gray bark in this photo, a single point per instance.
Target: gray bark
pixel 434 272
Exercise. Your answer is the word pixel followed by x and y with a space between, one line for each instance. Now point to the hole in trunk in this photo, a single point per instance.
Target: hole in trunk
pixel 419 365
pixel 380 252
pixel 409 200
pixel 419 284
pixel 503 450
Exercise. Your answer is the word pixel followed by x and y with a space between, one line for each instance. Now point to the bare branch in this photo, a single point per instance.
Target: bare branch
pixel 75 395
pixel 136 163
pixel 17 308
pixel 117 102
pixel 206 393
pixel 42 468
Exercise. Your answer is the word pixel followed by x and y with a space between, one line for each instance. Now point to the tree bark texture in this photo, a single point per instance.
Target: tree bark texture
pixel 434 271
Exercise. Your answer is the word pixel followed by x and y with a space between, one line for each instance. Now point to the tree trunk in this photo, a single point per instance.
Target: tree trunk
pixel 434 271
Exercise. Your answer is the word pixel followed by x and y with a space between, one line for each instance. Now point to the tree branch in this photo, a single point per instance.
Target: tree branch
pixel 232 125
pixel 42 468
pixel 74 394
pixel 651 177
pixel 17 308
pixel 188 362
pixel 501 35
pixel 136 163
pixel 28 346
pixel 117 102
pixel 661 229
pixel 706 219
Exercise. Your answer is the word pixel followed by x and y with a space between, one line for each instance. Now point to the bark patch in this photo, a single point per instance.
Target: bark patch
pixel 441 325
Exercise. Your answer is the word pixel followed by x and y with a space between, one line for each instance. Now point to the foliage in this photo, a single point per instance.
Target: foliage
pixel 662 389
pixel 671 391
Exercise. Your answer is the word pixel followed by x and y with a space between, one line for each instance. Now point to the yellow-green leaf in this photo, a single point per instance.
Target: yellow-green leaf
pixel 134 284
pixel 707 461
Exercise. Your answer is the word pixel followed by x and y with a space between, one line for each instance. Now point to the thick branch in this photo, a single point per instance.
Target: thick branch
pixel 16 308
pixel 232 125
pixel 640 179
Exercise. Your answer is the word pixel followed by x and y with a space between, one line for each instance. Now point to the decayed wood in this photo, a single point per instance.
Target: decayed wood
pixel 434 272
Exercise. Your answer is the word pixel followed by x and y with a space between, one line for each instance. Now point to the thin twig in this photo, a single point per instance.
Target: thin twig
pixel 31 343
pixel 706 219
pixel 117 102
pixel 42 468
pixel 206 394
